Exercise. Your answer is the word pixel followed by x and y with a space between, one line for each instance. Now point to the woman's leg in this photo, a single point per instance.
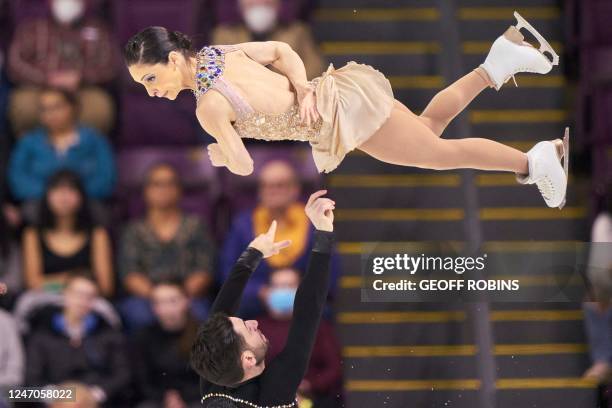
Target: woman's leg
pixel 453 99
pixel 405 140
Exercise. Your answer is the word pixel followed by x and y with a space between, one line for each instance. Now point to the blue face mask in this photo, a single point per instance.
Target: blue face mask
pixel 281 300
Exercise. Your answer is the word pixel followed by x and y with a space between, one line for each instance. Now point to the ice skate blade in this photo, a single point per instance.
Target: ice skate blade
pixel 544 45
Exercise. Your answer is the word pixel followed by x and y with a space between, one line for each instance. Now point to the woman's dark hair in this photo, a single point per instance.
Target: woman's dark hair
pixel 215 353
pixel 153 44
pixel 48 220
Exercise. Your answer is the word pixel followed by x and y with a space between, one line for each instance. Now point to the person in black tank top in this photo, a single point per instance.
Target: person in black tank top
pixel 66 239
pixel 57 263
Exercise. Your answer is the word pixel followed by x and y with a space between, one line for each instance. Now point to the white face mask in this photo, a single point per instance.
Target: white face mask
pixel 260 18
pixel 67 11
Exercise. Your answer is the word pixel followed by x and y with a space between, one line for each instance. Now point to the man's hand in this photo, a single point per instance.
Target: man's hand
pixel 265 242
pixel 216 155
pixel 320 211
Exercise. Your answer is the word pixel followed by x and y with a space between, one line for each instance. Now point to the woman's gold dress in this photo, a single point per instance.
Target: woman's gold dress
pixel 353 102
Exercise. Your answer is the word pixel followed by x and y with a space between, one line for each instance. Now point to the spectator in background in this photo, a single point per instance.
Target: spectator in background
pixel 261 23
pixel 5 23
pixel 322 383
pixel 76 344
pixel 11 355
pixel 165 243
pixel 61 143
pixel 279 192
pixel 162 351
pixel 10 258
pixel 84 398
pixel 598 311
pixel 66 239
pixel 4 92
pixel 67 51
pixel 227 12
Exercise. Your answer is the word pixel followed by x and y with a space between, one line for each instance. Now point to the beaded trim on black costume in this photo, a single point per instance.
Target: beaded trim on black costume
pixel 248 403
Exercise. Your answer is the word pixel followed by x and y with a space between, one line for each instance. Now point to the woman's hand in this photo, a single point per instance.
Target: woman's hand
pixel 216 155
pixel 308 105
pixel 265 242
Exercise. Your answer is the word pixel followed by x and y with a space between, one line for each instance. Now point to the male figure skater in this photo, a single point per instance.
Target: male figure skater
pixel 229 353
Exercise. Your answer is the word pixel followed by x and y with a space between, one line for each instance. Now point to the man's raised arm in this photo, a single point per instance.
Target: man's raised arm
pixel 309 300
pixel 263 246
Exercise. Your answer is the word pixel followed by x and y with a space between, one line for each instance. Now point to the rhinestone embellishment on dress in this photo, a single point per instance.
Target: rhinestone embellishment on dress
pixel 210 62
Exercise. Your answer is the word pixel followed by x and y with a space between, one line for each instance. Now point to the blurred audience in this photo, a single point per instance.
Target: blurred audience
pixel 261 22
pixel 60 143
pixel 4 92
pixel 322 384
pixel 84 398
pixel 162 351
pixel 10 255
pixel 598 311
pixel 165 243
pixel 66 239
pixel 11 355
pixel 278 194
pixel 5 23
pixel 66 50
pixel 76 344
pixel 228 12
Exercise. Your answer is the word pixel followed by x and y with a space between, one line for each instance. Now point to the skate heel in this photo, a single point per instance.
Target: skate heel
pixel 544 45
pixel 514 35
pixel 564 145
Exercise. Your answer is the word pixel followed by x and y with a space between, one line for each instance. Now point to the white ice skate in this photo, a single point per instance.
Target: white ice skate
pixel 546 172
pixel 510 54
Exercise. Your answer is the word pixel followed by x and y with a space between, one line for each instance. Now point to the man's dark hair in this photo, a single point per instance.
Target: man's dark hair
pixel 215 354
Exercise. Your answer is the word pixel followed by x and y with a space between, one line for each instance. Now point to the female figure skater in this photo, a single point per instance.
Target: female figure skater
pixel 351 107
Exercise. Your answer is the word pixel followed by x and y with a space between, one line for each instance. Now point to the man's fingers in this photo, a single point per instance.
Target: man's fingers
pixel 314 196
pixel 272 230
pixel 283 244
